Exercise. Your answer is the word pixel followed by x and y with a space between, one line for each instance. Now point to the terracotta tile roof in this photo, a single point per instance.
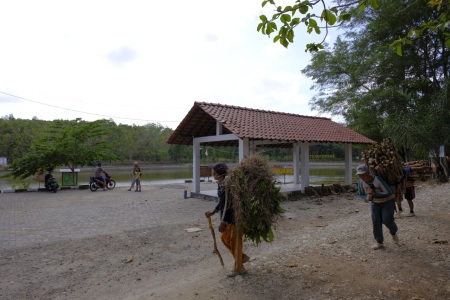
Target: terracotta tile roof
pixel 260 125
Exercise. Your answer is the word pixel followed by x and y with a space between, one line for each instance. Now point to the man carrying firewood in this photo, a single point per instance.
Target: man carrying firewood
pixel 410 194
pixel 411 171
pixel 409 191
pixel 375 190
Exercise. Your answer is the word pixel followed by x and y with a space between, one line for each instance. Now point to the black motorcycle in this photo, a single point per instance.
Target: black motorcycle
pixel 95 184
pixel 51 184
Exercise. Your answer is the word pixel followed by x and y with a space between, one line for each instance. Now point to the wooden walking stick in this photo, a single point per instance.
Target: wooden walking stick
pixel 215 244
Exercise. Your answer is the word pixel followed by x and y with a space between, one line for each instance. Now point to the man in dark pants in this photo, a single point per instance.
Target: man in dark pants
pixel 375 190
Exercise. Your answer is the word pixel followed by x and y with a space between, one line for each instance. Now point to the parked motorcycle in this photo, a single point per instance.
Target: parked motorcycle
pixel 95 184
pixel 50 183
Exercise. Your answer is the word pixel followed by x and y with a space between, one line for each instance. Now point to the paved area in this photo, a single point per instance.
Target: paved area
pixel 37 218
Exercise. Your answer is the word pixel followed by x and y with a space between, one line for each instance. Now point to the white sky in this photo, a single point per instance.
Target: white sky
pixel 141 62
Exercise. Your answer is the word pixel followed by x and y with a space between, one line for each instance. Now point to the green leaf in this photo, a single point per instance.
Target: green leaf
pixel 374 3
pixel 329 17
pixel 274 26
pixel 263 18
pixel 345 17
pixel 312 47
pixel 290 35
pixel 264 3
pixel 303 9
pixel 295 22
pixel 260 25
pixel 285 18
pixel 284 42
pixel 362 6
pixel 276 38
pixel 263 29
pixel 399 49
pixel 271 236
pixel 447 43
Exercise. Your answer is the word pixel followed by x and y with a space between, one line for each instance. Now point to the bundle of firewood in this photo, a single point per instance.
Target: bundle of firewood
pixel 384 161
pixel 420 169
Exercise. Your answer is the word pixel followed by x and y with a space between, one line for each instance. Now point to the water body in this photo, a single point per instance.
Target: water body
pixel 327 173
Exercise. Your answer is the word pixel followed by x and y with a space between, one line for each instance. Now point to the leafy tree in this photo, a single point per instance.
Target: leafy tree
pixel 180 153
pixel 68 143
pixel 426 136
pixel 16 135
pixel 366 83
pixel 285 19
pixel 438 24
pixel 380 93
pixel 125 144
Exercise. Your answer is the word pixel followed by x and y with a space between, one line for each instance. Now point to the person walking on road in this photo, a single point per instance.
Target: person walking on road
pixel 375 190
pixel 230 238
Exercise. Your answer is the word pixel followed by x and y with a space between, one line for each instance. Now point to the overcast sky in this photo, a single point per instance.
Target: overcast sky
pixel 141 62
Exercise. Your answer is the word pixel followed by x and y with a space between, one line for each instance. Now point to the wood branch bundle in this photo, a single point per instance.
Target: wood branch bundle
pixel 421 169
pixel 383 160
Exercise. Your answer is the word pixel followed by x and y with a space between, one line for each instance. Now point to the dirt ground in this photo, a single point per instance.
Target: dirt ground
pixel 321 251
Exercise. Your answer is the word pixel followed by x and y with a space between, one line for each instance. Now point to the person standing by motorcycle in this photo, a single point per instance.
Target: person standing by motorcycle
pixel 98 174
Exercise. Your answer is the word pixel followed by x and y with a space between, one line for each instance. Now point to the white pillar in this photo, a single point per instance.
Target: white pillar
pixel 196 167
pixel 244 148
pixel 348 164
pixel 304 165
pixel 296 162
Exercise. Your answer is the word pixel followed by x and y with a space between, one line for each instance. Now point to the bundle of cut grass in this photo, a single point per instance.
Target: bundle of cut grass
pixel 256 199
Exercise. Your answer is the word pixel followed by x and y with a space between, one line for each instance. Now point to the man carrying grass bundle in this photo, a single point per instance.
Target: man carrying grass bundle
pixel 230 236
pixel 249 203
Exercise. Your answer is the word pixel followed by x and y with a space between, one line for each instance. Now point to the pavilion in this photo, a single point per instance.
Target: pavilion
pixel 211 124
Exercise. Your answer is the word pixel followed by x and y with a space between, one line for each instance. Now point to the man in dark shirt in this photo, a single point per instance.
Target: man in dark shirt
pixel 227 227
